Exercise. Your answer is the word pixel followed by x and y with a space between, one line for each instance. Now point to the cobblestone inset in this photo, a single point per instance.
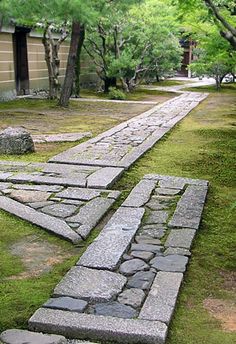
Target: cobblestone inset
pixel 122 145
pixel 127 276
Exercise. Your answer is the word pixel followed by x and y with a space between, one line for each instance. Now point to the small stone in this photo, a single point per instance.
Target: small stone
pixel 16 141
pixel 67 304
pixel 147 247
pixel 141 239
pixel 130 267
pixel 127 257
pixel 156 232
pixel 26 337
pixel 177 250
pixel 37 205
pixel 59 210
pixel 157 217
pixel 172 263
pixel 132 297
pixel 115 309
pixel 4 186
pixel 72 201
pixel 141 280
pixel 180 238
pixel 144 255
pixel 29 196
pixel 79 194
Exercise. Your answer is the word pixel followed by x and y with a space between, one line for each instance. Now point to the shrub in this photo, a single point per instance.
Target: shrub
pixel 116 94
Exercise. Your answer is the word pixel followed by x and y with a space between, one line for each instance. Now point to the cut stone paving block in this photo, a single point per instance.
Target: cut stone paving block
pixel 140 194
pixel 90 214
pixel 75 325
pixel 157 217
pixel 147 247
pixel 108 248
pixel 172 184
pixel 172 263
pixel 141 280
pixel 104 178
pixel 130 267
pixel 67 304
pixel 46 188
pixel 189 208
pixel 180 238
pixel 52 224
pixel 146 256
pixel 132 297
pixel 27 196
pixel 162 297
pixel 16 336
pixel 37 205
pixel 142 239
pixel 115 309
pixel 177 251
pixel 59 210
pixel 79 193
pixel 90 284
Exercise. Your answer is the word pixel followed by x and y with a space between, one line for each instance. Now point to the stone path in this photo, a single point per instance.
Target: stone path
pixel 125 286
pixel 122 145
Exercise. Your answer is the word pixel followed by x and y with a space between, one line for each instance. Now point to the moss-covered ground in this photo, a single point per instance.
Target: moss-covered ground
pixel 201 146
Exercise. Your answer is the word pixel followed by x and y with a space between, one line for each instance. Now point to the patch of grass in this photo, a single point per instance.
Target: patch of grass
pixel 226 88
pixel 139 94
pixel 201 146
pixel 20 298
pixel 170 82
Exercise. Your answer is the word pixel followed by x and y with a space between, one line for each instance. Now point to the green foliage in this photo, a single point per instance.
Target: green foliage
pixel 116 94
pixel 215 57
pixel 135 44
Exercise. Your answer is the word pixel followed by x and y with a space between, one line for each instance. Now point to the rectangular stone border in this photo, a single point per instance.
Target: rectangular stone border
pixel 84 326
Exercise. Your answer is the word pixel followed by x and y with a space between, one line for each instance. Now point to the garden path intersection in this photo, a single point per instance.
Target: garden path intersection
pixel 125 286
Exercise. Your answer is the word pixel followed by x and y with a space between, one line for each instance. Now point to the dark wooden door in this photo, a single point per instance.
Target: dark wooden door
pixel 21 61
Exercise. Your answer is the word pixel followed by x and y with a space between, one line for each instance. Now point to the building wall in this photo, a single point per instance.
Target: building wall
pixel 38 75
pixel 7 73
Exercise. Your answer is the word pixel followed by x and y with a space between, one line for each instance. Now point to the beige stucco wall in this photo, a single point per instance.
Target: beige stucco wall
pixel 7 74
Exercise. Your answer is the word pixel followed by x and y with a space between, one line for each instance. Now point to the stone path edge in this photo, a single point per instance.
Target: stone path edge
pixel 75 325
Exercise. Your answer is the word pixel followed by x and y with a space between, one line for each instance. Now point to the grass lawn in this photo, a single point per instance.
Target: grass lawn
pixel 201 146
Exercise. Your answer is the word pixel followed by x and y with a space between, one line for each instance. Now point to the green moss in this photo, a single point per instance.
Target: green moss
pixel 201 146
pixel 225 88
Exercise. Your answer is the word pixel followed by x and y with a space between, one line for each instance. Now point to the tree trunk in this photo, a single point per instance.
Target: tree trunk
pixel 78 60
pixel 109 82
pixel 71 62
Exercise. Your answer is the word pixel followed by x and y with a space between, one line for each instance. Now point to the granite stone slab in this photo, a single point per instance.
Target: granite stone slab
pixel 132 297
pixel 141 280
pixel 90 214
pixel 79 194
pixel 104 178
pixel 130 267
pixel 90 284
pixel 161 300
pixel 140 194
pixel 115 309
pixel 59 210
pixel 108 248
pixel 66 303
pixel 83 326
pixel 182 238
pixel 16 336
pixel 171 263
pixel 51 224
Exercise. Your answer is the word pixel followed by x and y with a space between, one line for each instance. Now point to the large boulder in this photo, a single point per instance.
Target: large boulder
pixel 16 141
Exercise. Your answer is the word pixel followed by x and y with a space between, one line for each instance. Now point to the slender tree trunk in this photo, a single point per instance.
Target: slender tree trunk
pixel 71 63
pixel 78 61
